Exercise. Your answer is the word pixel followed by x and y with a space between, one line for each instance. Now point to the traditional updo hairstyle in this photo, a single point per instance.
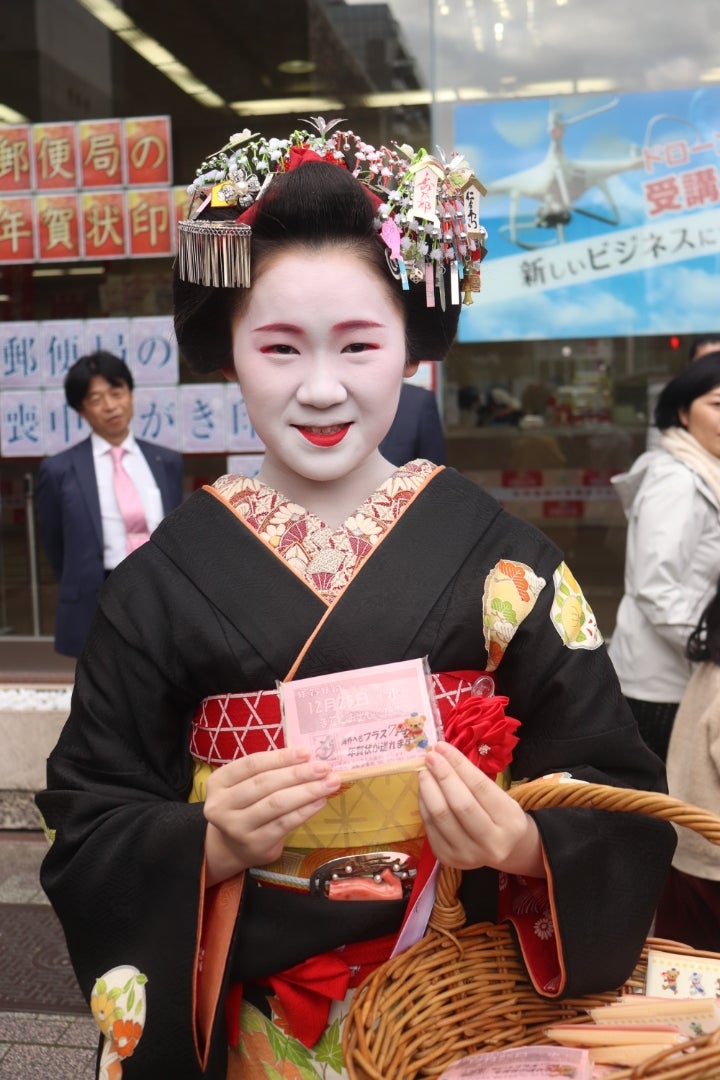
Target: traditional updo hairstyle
pixel 313 205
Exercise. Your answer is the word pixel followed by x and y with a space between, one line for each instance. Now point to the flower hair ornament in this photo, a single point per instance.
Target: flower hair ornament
pixel 426 208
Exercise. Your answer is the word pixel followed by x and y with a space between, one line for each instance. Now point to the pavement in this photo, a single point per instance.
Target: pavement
pixel 30 661
pixel 33 1046
pixel 38 1046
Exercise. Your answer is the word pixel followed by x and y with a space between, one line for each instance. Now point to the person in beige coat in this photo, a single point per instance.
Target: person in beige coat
pixel 689 908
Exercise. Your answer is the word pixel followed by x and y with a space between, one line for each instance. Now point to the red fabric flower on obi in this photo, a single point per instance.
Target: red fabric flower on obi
pixel 479 728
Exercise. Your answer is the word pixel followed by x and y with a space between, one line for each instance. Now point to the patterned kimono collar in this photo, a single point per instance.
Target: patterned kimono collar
pixel 326 558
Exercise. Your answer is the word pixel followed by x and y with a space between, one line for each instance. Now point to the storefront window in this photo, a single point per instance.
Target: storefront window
pixel 547 392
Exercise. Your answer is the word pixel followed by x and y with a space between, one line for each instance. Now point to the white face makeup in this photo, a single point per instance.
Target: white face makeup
pixel 319 351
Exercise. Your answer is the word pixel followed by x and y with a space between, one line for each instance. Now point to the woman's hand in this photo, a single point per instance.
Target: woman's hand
pixel 253 803
pixel 470 821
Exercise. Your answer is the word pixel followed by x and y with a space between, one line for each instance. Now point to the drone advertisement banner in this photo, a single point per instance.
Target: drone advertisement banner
pixel 602 212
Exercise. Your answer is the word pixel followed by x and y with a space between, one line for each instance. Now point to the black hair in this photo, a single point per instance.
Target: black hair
pixel 315 204
pixel 102 363
pixel 698 342
pixel 704 642
pixel 692 382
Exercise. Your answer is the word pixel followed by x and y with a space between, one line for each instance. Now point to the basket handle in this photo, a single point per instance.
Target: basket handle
pixel 448 913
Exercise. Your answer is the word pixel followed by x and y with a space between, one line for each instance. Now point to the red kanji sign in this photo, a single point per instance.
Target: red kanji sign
pixel 522 478
pixel 103 216
pixel 58 226
pixel 15 158
pixel 55 156
pixel 563 508
pixel 101 153
pixel 16 229
pixel 147 145
pixel 151 221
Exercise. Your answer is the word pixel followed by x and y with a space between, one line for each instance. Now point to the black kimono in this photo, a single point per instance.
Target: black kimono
pixel 212 604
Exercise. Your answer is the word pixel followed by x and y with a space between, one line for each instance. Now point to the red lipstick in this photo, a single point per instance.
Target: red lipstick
pixel 324 438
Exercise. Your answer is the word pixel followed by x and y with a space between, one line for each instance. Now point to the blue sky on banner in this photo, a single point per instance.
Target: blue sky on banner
pixel 603 214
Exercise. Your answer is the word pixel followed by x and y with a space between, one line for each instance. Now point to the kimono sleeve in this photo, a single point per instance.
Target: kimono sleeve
pixel 124 871
pixel 605 869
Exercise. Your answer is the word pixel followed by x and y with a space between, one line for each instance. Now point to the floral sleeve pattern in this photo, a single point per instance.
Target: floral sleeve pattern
pixel 572 616
pixel 511 590
pixel 118 1005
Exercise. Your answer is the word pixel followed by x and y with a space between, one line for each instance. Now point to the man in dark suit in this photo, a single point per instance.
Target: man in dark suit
pixel 416 431
pixel 80 520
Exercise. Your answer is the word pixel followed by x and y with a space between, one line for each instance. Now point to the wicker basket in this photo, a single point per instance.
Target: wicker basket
pixel 460 991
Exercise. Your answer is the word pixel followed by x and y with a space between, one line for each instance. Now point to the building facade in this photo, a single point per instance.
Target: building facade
pixel 595 129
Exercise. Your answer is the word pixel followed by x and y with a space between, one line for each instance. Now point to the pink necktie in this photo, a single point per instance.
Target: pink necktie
pixel 129 502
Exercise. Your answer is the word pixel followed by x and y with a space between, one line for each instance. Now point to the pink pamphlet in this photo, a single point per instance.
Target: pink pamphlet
pixel 367 721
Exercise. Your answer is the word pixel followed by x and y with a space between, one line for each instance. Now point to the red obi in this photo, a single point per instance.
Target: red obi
pixel 229 726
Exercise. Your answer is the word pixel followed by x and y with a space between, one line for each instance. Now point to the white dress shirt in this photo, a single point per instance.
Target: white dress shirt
pixel 134 462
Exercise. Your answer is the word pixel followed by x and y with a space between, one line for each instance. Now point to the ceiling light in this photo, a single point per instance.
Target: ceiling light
pixel 152 51
pixel 279 106
pixel 210 98
pixel 74 271
pixel 594 86
pixel 11 116
pixel 547 89
pixel 391 98
pixel 472 93
pixel 297 67
pixel 108 14
pixel 183 78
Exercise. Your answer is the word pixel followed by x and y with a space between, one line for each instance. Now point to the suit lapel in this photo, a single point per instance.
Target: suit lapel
pixel 157 468
pixel 84 467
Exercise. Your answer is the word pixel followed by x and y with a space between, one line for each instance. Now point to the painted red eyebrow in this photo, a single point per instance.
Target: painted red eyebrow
pixel 277 328
pixel 359 324
pixel 290 328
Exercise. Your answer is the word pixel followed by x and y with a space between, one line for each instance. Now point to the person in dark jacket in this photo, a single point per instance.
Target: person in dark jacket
pixel 416 431
pixel 80 523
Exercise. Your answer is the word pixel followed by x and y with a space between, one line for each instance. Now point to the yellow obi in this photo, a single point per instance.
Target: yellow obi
pixel 371 811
